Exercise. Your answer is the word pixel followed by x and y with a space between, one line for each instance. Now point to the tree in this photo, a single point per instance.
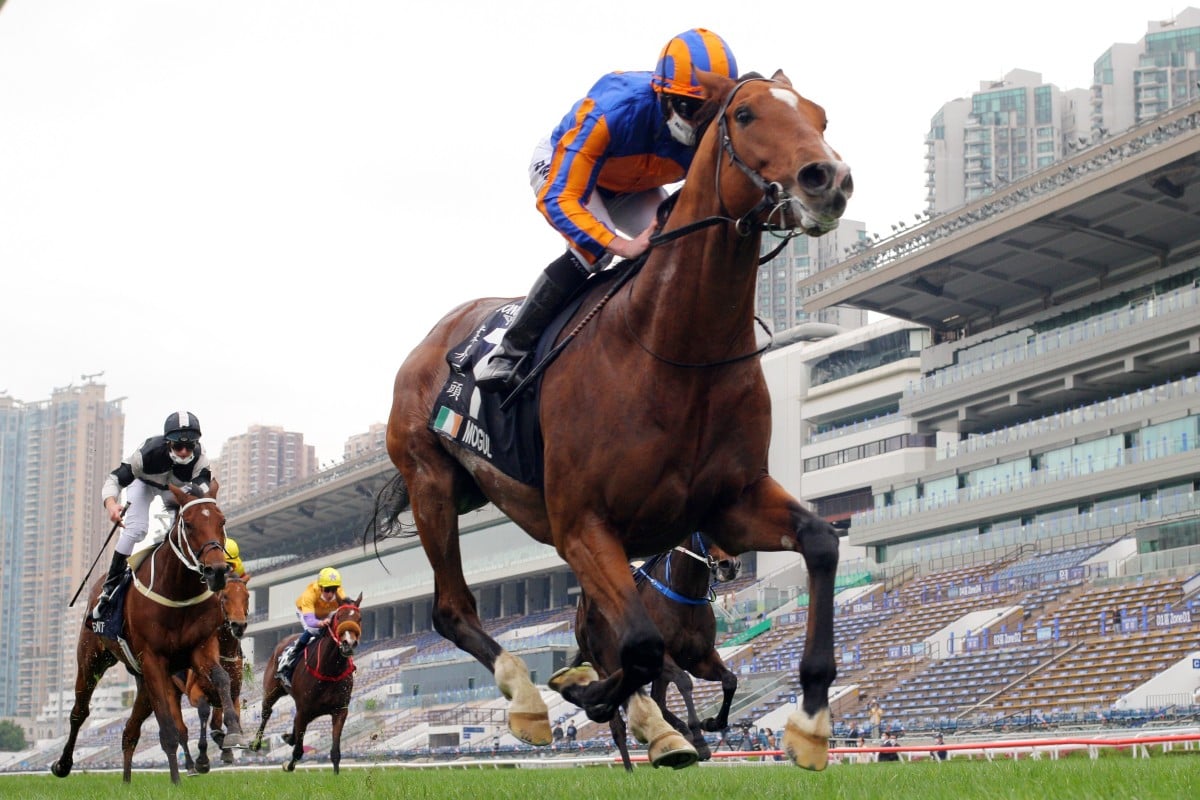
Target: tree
pixel 12 736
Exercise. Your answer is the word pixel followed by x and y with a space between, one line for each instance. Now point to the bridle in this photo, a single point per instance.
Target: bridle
pixel 664 586
pixel 774 197
pixel 177 541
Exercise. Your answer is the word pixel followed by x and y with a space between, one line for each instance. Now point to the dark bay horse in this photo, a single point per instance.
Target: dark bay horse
pixel 235 605
pixel 321 684
pixel 656 422
pixel 172 613
pixel 677 588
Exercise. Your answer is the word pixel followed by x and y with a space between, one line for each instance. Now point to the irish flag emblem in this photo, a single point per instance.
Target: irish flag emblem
pixel 448 422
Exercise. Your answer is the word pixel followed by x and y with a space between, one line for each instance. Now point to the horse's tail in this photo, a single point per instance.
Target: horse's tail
pixel 385 522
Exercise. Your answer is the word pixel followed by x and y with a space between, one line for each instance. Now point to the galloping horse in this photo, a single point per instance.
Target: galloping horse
pixel 169 627
pixel 321 684
pixel 235 605
pixel 655 421
pixel 677 589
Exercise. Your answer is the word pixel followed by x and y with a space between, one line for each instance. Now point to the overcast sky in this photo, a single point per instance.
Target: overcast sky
pixel 254 209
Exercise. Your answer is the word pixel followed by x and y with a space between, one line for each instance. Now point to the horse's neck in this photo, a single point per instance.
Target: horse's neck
pixel 686 573
pixel 694 300
pixel 166 575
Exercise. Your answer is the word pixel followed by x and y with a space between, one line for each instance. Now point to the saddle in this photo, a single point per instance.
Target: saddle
pixel 510 439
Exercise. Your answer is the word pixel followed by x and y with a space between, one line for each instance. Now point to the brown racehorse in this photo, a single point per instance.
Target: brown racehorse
pixel 235 604
pixel 656 422
pixel 171 620
pixel 677 588
pixel 321 684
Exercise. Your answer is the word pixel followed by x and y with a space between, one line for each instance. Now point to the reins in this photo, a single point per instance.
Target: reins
pixel 664 588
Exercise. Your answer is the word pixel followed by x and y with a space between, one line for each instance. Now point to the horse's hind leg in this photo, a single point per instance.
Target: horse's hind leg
pixel 203 712
pixel 455 615
pixel 296 740
pixel 272 691
pixel 621 739
pixel 712 668
pixel 93 661
pixel 138 713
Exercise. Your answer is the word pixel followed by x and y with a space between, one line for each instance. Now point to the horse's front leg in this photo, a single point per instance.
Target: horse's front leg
pixel 712 668
pixel 296 739
pixel 673 674
pixel 618 621
pixel 164 700
pixel 335 748
pixel 207 662
pixel 203 713
pixel 766 518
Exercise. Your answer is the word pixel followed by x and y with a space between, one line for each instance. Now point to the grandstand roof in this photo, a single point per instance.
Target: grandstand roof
pixel 1127 205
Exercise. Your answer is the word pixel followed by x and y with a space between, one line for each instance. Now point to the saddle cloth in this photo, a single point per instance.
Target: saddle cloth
pixel 510 440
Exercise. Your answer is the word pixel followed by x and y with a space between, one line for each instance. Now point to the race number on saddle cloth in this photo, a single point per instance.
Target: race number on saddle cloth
pixel 511 439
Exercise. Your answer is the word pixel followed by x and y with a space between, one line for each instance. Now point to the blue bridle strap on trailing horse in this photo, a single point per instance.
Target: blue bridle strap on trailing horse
pixel 665 589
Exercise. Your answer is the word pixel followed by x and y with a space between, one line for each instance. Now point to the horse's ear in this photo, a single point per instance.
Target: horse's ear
pixel 182 498
pixel 213 486
pixel 246 578
pixel 716 86
pixel 358 602
pixel 779 76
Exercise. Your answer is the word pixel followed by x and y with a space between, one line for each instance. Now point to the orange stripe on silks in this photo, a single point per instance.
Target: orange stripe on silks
pixel 717 57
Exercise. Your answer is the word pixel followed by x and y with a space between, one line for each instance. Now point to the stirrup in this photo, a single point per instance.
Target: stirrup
pixel 502 378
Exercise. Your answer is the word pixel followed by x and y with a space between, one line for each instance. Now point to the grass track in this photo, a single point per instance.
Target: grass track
pixel 1119 776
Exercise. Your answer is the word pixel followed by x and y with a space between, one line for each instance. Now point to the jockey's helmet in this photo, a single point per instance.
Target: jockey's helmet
pixel 697 49
pixel 182 426
pixel 231 549
pixel 329 578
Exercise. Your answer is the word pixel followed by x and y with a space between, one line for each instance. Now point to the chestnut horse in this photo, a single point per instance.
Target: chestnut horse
pixel 169 627
pixel 677 588
pixel 321 684
pixel 655 420
pixel 235 604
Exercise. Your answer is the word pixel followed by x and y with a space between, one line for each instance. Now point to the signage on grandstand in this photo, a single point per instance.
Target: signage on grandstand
pixel 906 650
pixel 1168 618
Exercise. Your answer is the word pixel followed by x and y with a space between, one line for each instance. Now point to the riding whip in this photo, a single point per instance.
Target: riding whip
pixel 103 547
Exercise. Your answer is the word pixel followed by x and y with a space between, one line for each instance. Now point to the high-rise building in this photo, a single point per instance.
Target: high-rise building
pixel 1018 125
pixel 362 443
pixel 1133 83
pixel 261 460
pixel 778 301
pixel 54 457
pixel 1008 129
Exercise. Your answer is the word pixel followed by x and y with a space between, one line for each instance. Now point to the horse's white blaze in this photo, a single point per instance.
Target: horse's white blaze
pixel 786 96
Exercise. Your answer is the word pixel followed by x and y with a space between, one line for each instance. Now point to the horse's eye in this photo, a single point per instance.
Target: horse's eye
pixel 743 115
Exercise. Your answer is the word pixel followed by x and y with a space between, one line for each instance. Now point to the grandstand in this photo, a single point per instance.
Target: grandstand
pixel 1013 456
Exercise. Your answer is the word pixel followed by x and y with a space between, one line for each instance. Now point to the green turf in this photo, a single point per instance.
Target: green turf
pixel 1120 777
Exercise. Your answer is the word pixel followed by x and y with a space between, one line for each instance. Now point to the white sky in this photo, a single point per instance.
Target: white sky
pixel 254 209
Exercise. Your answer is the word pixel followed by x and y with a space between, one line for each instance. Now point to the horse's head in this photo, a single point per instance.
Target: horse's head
pixel 723 566
pixel 346 625
pixel 200 527
pixel 235 604
pixel 776 139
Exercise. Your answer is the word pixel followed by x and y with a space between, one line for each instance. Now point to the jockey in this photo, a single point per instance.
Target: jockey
pixel 233 557
pixel 314 607
pixel 603 170
pixel 173 458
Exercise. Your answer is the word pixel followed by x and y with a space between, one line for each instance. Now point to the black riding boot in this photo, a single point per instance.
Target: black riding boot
pixel 557 282
pixel 116 570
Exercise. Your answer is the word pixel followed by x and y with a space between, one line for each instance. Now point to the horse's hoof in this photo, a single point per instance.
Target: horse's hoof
pixel 218 737
pixel 226 756
pixel 60 769
pixel 290 766
pixel 672 750
pixel 530 728
pixel 202 766
pixel 232 741
pixel 256 745
pixel 572 676
pixel 805 741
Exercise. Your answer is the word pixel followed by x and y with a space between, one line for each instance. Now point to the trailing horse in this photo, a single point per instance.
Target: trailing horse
pixel 235 604
pixel 677 588
pixel 321 684
pixel 655 423
pixel 169 624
